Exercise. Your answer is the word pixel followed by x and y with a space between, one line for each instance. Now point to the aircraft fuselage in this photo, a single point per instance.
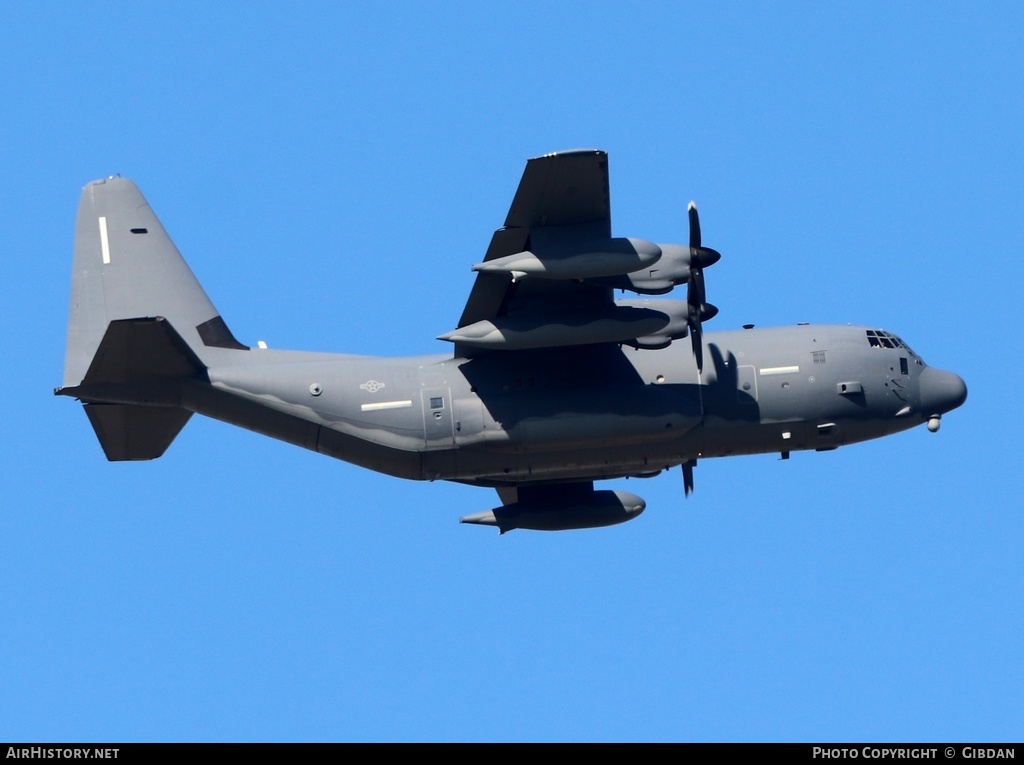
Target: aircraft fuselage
pixel 612 411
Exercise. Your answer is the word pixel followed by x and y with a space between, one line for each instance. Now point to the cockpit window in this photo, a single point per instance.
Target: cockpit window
pixel 879 338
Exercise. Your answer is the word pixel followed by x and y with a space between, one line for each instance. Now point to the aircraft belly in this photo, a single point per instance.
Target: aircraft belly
pixel 475 464
pixel 598 429
pixel 587 418
pixel 568 434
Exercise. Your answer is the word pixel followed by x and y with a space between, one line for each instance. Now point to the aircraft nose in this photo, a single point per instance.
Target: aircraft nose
pixel 941 391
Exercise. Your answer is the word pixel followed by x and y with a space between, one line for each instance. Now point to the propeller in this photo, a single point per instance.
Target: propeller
pixel 698 309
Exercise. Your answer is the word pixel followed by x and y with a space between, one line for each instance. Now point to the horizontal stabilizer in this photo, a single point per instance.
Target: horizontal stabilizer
pixel 131 390
pixel 133 350
pixel 131 432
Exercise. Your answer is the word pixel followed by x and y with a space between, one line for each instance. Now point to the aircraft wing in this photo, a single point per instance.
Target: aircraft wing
pixel 562 197
pixel 544 299
pixel 549 275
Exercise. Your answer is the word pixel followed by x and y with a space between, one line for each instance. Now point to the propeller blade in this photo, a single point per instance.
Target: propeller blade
pixel 696 307
pixel 695 295
pixel 688 476
pixel 697 342
pixel 694 225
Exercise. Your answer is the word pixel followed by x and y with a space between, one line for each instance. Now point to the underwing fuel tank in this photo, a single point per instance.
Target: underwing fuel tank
pixel 589 511
pixel 608 258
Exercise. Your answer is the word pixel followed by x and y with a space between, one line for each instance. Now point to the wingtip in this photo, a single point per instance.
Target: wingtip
pixel 569 153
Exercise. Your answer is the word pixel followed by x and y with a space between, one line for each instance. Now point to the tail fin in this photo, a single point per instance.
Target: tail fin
pixel 138 324
pixel 126 267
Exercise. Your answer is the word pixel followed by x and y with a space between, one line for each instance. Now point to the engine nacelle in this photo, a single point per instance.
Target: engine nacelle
pixel 587 261
pixel 675 328
pixel 596 509
pixel 622 322
pixel 672 269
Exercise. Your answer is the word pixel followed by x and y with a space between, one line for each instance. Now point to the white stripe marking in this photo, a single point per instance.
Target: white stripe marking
pixel 386 405
pixel 104 242
pixel 779 370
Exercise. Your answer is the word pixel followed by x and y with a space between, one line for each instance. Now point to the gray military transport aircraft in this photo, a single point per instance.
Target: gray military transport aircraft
pixel 553 383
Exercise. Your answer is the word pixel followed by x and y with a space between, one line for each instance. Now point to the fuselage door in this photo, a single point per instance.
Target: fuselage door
pixel 438 432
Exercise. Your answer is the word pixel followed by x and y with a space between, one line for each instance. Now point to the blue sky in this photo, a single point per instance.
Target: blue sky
pixel 331 171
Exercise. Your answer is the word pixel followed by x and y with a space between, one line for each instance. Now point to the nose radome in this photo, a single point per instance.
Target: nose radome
pixel 941 391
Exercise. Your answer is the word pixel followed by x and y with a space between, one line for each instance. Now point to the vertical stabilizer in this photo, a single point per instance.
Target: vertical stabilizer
pixel 126 267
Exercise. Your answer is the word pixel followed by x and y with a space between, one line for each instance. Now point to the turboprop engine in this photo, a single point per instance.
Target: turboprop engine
pixel 642 323
pixel 587 261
